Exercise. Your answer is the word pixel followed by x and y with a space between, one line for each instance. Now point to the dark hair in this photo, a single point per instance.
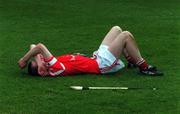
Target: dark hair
pixel 32 70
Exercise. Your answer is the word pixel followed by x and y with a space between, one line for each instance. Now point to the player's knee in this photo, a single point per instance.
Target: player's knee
pixel 117 28
pixel 126 33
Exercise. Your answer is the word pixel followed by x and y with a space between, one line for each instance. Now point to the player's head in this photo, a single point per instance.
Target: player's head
pixel 33 68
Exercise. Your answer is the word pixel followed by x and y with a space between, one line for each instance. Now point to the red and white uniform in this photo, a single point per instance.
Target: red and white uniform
pixel 71 64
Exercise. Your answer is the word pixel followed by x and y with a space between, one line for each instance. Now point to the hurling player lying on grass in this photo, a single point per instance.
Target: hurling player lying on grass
pixel 104 60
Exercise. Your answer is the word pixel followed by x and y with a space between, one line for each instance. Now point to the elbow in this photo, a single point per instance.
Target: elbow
pixel 40 46
pixel 32 46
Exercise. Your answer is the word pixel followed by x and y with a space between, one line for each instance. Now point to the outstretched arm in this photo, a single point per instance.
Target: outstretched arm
pixel 38 49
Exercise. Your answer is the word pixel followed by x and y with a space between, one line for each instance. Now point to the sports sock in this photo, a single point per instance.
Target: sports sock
pixel 142 64
pixel 130 60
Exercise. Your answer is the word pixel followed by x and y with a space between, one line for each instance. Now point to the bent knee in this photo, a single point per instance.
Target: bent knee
pixel 117 28
pixel 127 34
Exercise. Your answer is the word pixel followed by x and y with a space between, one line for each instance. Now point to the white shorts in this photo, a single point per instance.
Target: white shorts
pixel 107 61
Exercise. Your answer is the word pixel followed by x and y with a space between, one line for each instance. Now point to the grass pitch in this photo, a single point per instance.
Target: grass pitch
pixel 79 26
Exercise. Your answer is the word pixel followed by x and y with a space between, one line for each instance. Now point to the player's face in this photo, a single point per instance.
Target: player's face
pixel 42 69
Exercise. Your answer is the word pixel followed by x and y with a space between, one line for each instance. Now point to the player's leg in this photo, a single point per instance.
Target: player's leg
pixel 126 43
pixel 111 35
pixel 39 49
pixel 131 61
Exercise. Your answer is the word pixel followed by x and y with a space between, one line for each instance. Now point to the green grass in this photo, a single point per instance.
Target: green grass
pixel 67 26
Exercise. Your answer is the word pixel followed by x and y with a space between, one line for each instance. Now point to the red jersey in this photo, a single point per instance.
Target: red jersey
pixel 71 64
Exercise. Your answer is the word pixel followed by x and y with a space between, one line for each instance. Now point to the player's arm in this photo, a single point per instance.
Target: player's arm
pixel 42 70
pixel 38 49
pixel 37 57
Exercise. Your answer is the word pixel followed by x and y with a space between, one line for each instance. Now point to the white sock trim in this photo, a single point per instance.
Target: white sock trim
pixel 140 62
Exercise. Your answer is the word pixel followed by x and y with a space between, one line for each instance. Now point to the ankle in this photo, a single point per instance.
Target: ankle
pixel 142 64
pixel 130 60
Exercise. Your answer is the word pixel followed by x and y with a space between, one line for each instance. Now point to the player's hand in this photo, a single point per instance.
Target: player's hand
pixel 21 63
pixel 42 71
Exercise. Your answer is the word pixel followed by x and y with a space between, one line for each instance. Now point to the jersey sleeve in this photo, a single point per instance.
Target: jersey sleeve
pixel 54 66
